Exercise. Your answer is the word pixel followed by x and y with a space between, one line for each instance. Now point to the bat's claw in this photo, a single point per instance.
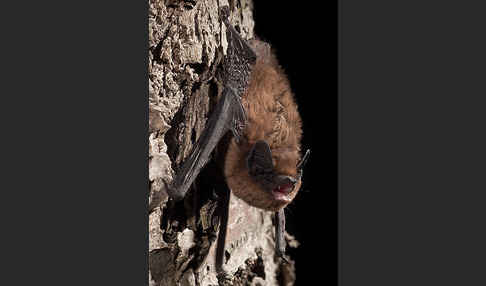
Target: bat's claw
pixel 224 13
pixel 283 258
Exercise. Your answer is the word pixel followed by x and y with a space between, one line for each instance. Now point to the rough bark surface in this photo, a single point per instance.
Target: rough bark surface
pixel 186 44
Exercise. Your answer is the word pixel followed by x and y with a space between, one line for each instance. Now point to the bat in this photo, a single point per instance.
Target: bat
pixel 262 165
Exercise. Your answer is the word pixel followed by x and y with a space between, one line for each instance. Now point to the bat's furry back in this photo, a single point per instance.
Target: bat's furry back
pixel 271 117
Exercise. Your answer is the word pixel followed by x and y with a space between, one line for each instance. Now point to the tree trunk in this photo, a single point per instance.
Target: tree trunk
pixel 185 41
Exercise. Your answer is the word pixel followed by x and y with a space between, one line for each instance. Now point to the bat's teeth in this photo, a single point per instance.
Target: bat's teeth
pixel 281 193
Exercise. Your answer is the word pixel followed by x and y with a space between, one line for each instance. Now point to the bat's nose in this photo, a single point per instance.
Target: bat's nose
pixel 282 179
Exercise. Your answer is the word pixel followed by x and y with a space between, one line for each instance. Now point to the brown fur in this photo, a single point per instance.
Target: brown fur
pixel 272 116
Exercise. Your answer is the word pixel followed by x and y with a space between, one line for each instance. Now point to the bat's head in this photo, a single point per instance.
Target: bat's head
pixel 266 180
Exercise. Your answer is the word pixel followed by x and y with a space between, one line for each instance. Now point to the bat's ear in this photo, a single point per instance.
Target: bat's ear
pixel 259 159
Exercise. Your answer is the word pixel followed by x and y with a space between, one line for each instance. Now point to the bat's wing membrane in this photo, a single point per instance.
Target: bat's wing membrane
pixel 226 116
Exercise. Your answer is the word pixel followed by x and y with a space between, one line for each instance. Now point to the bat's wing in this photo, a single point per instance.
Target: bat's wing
pixel 229 113
pixel 224 118
pixel 239 58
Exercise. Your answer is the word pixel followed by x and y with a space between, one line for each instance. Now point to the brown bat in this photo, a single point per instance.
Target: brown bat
pixel 262 164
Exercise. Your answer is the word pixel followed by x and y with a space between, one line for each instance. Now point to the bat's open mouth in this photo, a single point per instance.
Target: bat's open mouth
pixel 281 192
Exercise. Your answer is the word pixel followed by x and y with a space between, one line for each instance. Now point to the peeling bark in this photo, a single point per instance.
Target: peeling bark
pixel 184 53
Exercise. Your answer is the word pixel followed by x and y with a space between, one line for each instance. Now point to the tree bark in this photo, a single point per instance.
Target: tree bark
pixel 186 44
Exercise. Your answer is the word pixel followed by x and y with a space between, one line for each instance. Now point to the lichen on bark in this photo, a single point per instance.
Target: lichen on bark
pixel 186 44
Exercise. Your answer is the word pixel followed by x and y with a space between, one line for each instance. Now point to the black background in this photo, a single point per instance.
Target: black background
pixel 304 37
